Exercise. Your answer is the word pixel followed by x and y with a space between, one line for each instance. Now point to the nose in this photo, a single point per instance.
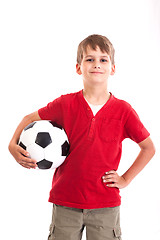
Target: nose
pixel 97 65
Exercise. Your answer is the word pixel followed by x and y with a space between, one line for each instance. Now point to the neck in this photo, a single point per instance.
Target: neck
pixel 95 95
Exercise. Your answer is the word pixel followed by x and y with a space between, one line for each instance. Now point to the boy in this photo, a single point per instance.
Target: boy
pixel 85 188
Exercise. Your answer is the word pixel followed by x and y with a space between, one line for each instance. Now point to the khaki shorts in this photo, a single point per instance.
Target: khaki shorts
pixel 101 224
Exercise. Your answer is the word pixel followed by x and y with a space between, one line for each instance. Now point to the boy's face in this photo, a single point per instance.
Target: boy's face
pixel 95 67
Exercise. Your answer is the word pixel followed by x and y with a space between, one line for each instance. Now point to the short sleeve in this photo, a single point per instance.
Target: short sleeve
pixel 52 112
pixel 134 129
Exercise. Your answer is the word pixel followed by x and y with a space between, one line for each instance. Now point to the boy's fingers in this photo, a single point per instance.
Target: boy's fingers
pixel 110 172
pixel 110 176
pixel 24 152
pixel 112 185
pixel 28 163
pixel 25 166
pixel 25 156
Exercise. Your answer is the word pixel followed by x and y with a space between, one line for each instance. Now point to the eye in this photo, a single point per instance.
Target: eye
pixel 89 60
pixel 103 60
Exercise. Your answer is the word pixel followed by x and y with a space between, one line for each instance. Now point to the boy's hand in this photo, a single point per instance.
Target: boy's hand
pixel 22 156
pixel 112 179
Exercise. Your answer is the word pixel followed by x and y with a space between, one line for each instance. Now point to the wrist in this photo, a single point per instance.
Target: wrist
pixel 126 179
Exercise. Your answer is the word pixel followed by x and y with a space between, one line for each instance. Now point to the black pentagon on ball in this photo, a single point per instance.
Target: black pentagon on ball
pixel 29 126
pixel 65 148
pixel 43 139
pixel 44 164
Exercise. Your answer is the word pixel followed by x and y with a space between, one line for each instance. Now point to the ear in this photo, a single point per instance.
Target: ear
pixel 78 69
pixel 113 69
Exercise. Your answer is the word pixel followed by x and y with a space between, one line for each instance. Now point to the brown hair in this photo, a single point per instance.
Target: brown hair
pixel 95 41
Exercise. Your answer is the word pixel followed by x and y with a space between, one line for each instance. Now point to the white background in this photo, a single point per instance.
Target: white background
pixel 38 45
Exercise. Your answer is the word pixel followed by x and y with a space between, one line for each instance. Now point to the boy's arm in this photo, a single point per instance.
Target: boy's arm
pixel 17 151
pixel 147 151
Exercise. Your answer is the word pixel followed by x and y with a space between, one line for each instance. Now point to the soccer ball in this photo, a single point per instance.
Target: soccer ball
pixel 47 144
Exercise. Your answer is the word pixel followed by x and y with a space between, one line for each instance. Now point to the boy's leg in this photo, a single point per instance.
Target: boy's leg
pixel 103 224
pixel 67 223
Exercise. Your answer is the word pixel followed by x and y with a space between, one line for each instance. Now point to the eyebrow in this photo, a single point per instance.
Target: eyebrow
pixel 93 56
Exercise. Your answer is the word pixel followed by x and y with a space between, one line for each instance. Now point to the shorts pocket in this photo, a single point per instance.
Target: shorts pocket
pixel 117 233
pixel 110 130
pixel 51 232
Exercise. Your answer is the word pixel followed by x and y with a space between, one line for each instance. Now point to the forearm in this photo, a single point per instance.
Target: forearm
pixel 141 161
pixel 146 153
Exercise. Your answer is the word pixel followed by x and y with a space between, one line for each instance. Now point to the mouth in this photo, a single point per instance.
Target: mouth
pixel 96 72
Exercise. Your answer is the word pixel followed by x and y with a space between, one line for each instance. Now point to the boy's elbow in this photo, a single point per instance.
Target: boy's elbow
pixel 153 150
pixel 148 146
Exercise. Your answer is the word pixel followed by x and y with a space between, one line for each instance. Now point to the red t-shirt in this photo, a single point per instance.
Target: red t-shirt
pixel 95 148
